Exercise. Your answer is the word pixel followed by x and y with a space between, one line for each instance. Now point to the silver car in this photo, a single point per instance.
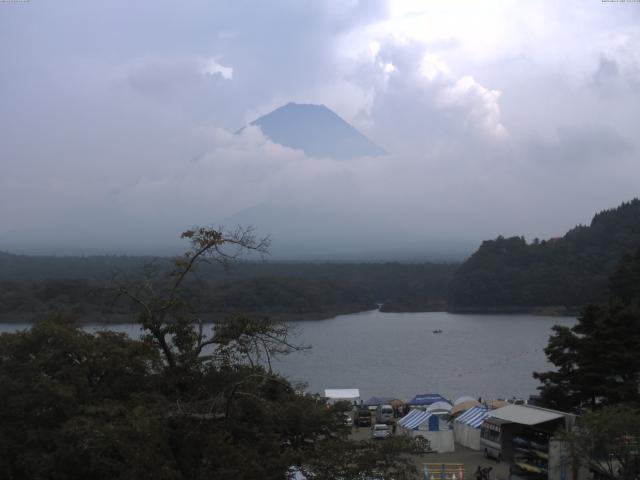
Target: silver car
pixel 380 430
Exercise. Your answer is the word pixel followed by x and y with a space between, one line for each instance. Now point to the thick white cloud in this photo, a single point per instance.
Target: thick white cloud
pixel 479 105
pixel 500 117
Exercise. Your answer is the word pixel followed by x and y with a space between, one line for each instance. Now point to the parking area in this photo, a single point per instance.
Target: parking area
pixel 470 458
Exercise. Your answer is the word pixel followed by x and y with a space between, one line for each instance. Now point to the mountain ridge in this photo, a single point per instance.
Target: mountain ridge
pixel 565 273
pixel 316 130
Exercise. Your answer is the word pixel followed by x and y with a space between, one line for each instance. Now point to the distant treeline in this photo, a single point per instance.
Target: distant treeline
pixel 561 274
pixel 505 275
pixel 30 285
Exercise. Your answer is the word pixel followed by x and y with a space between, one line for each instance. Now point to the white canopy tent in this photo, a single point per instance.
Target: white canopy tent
pixel 337 394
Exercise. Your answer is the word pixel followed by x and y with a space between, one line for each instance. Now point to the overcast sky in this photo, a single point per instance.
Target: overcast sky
pixel 513 118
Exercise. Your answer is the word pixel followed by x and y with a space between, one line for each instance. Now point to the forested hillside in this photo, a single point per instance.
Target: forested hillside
pixel 30 285
pixel 505 275
pixel 509 274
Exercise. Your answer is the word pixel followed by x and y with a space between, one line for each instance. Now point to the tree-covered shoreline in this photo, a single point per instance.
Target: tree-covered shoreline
pixel 507 275
pixel 565 273
pixel 289 291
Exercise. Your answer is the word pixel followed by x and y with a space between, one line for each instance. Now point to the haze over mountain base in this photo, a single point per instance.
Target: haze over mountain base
pixel 315 194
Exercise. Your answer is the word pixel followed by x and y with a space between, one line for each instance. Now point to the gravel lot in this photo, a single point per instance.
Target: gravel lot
pixel 470 458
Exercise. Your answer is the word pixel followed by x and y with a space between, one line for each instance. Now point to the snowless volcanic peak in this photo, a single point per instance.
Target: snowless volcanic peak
pixel 317 131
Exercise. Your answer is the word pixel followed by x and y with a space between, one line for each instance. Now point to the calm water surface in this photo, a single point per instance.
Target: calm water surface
pixel 397 354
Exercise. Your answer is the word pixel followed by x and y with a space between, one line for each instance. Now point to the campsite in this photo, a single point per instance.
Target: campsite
pixel 514 439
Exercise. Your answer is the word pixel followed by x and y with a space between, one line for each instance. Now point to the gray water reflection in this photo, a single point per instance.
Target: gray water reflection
pixel 397 354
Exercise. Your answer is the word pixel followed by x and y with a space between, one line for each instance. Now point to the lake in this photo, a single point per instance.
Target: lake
pixel 397 354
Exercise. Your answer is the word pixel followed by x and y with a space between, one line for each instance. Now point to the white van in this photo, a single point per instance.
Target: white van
pixel 384 414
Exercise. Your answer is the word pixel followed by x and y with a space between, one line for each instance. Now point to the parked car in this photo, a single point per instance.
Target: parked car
pixel 384 414
pixel 380 430
pixel 363 417
pixel 348 418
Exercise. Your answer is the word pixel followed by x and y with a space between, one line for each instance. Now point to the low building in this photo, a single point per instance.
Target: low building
pixel 523 436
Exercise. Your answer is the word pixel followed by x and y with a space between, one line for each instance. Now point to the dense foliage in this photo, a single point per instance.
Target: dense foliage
pixel 31 285
pixel 75 405
pixel 559 275
pixel 598 360
pixel 608 439
pixel 568 272
pixel 180 403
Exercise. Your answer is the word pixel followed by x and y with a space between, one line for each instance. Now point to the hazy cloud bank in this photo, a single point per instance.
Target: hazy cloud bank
pixel 502 119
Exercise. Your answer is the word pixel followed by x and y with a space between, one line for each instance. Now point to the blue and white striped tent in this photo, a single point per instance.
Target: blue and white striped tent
pixel 431 426
pixel 466 427
pixel 415 418
pixel 473 417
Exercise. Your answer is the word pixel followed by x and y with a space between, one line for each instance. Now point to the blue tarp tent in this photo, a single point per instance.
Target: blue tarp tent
pixel 423 399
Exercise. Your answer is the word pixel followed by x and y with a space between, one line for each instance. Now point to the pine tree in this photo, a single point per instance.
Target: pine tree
pixel 598 360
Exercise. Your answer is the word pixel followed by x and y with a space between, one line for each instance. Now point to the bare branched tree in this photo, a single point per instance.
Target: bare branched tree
pixel 254 341
pixel 169 321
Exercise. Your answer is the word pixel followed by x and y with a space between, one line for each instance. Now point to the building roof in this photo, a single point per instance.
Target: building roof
pixel 342 393
pixel 525 414
pixel 473 417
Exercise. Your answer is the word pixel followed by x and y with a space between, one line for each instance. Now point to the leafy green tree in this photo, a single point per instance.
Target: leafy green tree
pixel 607 442
pixel 564 273
pixel 67 396
pixel 368 459
pixel 180 403
pixel 598 360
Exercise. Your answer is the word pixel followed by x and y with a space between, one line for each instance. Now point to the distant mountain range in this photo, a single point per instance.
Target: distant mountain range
pixel 560 274
pixel 317 131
